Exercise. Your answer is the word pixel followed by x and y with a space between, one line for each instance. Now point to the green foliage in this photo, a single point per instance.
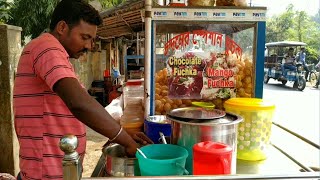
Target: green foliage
pixel 312 56
pixel 296 26
pixel 32 15
pixel 316 18
pixel 4 11
pixel 279 26
pixel 106 4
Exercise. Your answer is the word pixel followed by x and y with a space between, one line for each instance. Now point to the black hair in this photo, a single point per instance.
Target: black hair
pixel 291 49
pixel 72 11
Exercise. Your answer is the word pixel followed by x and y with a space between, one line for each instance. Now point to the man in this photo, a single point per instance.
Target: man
pixel 318 81
pixel 132 49
pixel 49 101
pixel 301 57
pixel 288 62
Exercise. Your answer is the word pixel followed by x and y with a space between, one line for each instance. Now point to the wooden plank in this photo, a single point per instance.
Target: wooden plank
pixel 10 37
pixel 108 56
pixel 116 31
pixel 120 23
pixel 118 18
pixel 127 14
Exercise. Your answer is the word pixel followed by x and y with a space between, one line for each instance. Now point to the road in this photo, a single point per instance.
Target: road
pixel 299 112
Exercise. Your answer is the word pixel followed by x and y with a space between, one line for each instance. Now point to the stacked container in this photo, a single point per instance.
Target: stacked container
pixel 132 118
pixel 255 130
pixel 133 92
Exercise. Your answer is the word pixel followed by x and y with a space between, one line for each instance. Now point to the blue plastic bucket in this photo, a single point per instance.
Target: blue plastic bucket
pixel 155 124
pixel 162 160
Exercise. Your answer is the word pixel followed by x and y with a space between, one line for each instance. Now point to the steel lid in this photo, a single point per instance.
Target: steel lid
pixel 203 116
pixel 191 113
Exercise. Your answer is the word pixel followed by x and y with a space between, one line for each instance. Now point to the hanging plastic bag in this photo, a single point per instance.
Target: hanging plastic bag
pixel 115 109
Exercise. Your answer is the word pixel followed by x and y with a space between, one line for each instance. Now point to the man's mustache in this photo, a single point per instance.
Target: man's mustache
pixel 84 50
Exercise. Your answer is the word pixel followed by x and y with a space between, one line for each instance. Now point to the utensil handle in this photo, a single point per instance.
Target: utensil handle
pixel 163 138
pixel 226 165
pixel 141 153
pixel 185 171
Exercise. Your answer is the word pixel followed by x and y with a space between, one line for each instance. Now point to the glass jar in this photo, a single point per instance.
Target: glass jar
pixel 200 2
pixel 241 3
pixel 225 3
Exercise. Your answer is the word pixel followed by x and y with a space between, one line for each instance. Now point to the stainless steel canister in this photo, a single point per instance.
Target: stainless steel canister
pixel 117 164
pixel 192 125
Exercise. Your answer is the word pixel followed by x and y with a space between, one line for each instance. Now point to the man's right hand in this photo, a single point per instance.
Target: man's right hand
pixel 132 149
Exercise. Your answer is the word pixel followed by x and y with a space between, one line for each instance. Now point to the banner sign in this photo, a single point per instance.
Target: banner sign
pixel 202 65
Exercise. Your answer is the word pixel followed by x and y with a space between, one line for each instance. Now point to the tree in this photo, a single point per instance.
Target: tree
pixel 33 16
pixel 316 18
pixel 106 4
pixel 279 26
pixel 4 11
pixel 296 26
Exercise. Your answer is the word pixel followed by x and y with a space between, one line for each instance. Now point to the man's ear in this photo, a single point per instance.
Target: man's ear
pixel 62 27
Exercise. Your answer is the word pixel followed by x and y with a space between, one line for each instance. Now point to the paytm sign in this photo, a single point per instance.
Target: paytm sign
pixel 219 14
pixel 239 14
pixel 180 14
pixel 200 14
pixel 262 15
pixel 160 13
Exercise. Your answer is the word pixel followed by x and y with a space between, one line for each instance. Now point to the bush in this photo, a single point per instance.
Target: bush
pixel 312 56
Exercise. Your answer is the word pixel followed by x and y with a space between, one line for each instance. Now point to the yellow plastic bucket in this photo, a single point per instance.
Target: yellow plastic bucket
pixel 255 129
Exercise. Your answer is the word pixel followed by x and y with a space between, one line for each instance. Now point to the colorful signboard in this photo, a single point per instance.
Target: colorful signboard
pixel 202 65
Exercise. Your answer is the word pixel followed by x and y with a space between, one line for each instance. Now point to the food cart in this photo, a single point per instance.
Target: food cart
pixel 206 54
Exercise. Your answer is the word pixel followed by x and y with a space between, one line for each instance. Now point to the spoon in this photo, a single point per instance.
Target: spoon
pixel 162 138
pixel 141 153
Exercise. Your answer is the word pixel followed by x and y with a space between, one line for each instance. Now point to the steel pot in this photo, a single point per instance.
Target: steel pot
pixel 117 164
pixel 192 125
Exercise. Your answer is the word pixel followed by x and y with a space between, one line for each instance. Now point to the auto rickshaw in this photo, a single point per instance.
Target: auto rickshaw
pixel 274 58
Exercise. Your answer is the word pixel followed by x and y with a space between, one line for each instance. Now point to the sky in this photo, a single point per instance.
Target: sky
pixel 279 6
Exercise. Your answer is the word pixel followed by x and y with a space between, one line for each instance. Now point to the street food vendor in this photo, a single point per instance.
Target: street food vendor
pixel 49 100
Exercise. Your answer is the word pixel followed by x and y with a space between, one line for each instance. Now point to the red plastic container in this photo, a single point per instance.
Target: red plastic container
pixel 211 158
pixel 106 73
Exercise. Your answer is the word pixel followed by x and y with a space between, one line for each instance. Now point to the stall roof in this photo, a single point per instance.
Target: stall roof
pixel 285 43
pixel 121 20
pixel 127 19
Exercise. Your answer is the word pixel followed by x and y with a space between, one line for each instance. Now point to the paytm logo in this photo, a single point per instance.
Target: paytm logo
pixel 239 14
pixel 160 13
pixel 180 14
pixel 200 14
pixel 219 14
pixel 259 14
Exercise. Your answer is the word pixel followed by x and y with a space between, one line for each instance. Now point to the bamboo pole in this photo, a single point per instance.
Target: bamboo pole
pixel 147 58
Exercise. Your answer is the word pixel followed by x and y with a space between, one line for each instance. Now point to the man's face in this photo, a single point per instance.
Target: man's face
pixel 79 39
pixel 290 52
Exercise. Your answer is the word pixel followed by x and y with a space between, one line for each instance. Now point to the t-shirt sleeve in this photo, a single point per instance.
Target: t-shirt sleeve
pixel 51 65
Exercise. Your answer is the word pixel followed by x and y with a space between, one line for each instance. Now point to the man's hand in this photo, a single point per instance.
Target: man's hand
pixel 132 149
pixel 141 138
